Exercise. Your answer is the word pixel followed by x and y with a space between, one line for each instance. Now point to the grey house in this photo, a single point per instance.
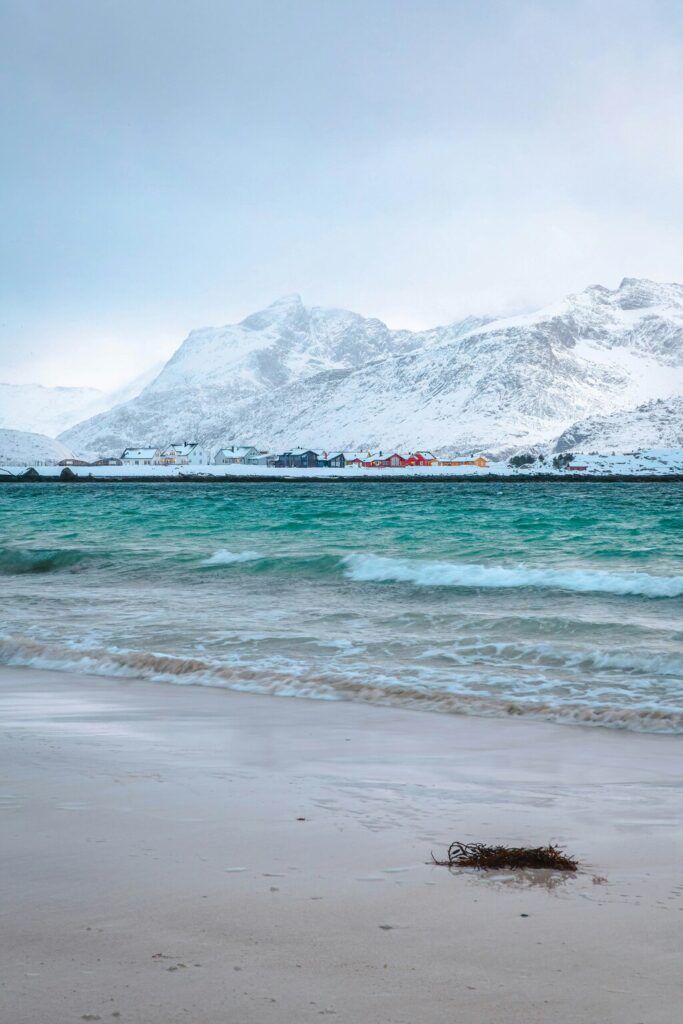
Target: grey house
pixel 333 460
pixel 298 458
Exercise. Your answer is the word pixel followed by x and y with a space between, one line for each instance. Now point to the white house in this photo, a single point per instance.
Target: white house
pixel 185 453
pixel 140 456
pixel 238 455
pixel 261 459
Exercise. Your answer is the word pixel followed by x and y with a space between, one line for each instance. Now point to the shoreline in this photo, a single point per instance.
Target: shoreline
pixel 158 870
pixel 315 477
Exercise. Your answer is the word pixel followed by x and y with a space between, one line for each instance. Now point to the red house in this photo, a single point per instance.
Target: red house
pixel 381 461
pixel 420 459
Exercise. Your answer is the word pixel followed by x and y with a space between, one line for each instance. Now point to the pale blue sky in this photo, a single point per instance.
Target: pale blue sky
pixel 180 163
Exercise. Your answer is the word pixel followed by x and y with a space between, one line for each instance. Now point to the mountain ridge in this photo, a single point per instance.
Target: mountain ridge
pixel 291 374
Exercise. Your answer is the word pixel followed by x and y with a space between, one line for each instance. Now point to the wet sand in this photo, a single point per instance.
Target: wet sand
pixel 155 869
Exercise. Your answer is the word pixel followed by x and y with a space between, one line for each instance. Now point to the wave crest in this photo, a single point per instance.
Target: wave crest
pixel 225 557
pixel 19 561
pixel 367 568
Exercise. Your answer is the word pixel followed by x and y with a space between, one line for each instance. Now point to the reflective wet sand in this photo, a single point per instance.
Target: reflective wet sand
pixel 187 854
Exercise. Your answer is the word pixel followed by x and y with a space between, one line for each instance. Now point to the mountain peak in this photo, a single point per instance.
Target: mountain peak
pixel 285 306
pixel 286 301
pixel 636 293
pixel 288 308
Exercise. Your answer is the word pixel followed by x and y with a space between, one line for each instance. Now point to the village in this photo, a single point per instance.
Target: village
pixel 191 453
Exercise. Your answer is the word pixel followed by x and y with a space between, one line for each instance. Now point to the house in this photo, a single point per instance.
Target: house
pixel 479 460
pixel 372 459
pixel 185 453
pixel 75 462
pixel 108 462
pixel 378 460
pixel 332 460
pixel 140 456
pixel 355 459
pixel 235 456
pixel 421 459
pixel 298 458
pixel 261 459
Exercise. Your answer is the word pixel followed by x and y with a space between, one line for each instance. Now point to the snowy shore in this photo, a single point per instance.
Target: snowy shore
pixel 656 463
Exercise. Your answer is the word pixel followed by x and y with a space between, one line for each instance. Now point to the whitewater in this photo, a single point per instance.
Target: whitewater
pixel 543 601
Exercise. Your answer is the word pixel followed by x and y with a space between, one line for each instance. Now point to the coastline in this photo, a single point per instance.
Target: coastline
pixel 157 869
pixel 332 477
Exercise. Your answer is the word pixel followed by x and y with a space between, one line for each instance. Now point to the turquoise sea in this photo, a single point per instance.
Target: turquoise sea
pixel 562 602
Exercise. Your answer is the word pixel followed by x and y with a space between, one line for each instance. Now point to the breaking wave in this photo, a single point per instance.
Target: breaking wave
pixel 19 561
pixel 368 568
pixel 225 557
pixel 290 682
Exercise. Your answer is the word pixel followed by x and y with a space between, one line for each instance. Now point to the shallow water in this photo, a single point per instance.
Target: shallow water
pixel 556 601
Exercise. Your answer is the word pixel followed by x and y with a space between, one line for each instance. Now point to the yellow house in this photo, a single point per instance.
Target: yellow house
pixel 479 461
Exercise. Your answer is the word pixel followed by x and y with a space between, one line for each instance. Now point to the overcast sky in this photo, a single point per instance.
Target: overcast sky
pixel 176 163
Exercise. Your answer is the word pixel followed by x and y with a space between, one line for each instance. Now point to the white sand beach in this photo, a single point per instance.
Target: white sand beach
pixel 181 854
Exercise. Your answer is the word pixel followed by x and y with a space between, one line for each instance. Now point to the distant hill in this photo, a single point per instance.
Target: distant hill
pixel 50 411
pixel 21 448
pixel 33 407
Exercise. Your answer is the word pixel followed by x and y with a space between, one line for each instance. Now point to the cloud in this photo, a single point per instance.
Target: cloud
pixel 175 164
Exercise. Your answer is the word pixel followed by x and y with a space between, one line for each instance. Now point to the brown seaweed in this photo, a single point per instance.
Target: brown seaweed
pixel 478 855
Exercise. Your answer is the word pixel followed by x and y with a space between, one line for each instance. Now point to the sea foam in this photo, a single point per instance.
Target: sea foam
pixel 167 668
pixel 225 557
pixel 367 568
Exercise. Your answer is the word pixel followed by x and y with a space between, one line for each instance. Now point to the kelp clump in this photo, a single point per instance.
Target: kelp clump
pixel 478 855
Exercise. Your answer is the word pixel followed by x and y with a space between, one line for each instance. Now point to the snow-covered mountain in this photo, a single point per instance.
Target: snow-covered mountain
pixel 32 407
pixel 21 448
pixel 654 424
pixel 323 377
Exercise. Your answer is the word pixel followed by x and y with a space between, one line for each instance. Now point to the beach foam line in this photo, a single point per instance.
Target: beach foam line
pixel 369 568
pixel 505 654
pixel 166 668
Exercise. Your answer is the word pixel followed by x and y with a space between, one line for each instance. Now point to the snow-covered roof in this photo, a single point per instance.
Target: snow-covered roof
pixel 374 456
pixel 300 451
pixel 181 448
pixel 139 453
pixel 236 452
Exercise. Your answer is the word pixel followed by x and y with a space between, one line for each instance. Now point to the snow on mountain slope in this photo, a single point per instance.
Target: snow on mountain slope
pixel 32 407
pixel 133 388
pixel 291 375
pixel 654 424
pixel 21 448
pixel 280 344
